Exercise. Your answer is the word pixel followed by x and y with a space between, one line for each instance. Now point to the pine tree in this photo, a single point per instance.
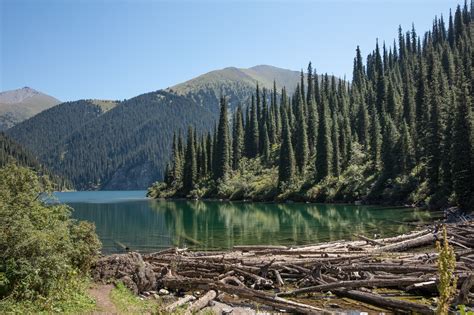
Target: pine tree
pixel 390 152
pixel 375 140
pixel 407 151
pixel 312 114
pixel 301 138
pixel 238 138
pixel 434 129
pixel 462 151
pixel 223 143
pixel 324 145
pixel 286 169
pixel 190 167
pixel 254 129
pixel 336 155
pixel 265 144
pixel 210 153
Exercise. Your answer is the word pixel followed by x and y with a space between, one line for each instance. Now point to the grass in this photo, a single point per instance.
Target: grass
pixel 128 303
pixel 71 298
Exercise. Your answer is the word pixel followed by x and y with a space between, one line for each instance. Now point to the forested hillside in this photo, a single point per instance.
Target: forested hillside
pixel 400 132
pixel 12 152
pixel 128 146
pixel 43 132
pixel 123 148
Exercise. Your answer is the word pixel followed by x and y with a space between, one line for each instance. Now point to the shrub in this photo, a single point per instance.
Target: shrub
pixel 446 268
pixel 41 248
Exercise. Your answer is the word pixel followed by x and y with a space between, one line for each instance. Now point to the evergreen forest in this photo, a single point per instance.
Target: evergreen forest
pixel 400 132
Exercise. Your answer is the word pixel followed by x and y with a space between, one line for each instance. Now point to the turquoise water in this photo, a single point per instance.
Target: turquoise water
pixel 128 220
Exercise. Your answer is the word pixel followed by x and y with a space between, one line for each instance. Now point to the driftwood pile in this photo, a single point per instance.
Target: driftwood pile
pixel 291 278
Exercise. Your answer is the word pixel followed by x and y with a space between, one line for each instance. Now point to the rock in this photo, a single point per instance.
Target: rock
pixel 156 296
pixel 163 292
pixel 136 274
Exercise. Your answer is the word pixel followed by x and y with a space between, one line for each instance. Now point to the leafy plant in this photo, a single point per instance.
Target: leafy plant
pixel 446 267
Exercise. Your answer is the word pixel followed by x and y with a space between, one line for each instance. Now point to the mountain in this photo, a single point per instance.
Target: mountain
pixel 43 132
pixel 126 145
pixel 237 84
pixel 11 151
pixel 21 104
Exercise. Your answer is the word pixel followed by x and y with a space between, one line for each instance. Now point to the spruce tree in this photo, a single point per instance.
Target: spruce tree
pixel 254 129
pixel 324 145
pixel 301 138
pixel 336 155
pixel 237 138
pixel 223 143
pixel 190 168
pixel 462 151
pixel 286 169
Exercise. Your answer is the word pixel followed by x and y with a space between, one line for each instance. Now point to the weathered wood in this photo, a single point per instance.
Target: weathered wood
pixel 188 298
pixel 378 300
pixel 463 296
pixel 258 247
pixel 408 244
pixel 369 240
pixel 202 302
pixel 353 284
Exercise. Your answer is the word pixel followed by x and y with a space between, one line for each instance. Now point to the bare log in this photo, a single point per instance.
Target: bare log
pixel 353 284
pixel 378 300
pixel 463 296
pixel 188 298
pixel 202 302
pixel 408 244
pixel 369 240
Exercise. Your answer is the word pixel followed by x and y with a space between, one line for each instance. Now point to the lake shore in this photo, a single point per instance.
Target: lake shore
pixel 396 274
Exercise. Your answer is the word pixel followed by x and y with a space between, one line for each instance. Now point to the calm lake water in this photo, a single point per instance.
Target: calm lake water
pixel 129 219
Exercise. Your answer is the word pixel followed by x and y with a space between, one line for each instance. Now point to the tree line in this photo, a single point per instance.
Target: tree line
pixel 406 116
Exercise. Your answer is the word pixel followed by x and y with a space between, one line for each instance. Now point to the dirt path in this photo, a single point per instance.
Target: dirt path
pixel 101 293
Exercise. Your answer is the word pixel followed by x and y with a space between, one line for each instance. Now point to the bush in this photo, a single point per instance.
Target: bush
pixel 41 248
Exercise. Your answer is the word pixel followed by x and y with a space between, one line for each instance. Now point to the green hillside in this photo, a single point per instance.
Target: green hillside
pixel 43 132
pixel 235 83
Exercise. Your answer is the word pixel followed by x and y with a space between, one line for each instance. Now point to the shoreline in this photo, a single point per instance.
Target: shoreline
pixel 303 279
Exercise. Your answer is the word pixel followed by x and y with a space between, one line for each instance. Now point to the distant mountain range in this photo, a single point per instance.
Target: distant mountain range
pixel 19 105
pixel 235 83
pixel 126 145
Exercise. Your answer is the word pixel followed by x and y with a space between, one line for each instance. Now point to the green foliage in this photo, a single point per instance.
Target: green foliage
pixel 69 296
pixel 401 133
pixel 42 251
pixel 128 303
pixel 446 267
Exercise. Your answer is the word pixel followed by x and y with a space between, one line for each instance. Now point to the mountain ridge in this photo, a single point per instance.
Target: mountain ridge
pixel 21 104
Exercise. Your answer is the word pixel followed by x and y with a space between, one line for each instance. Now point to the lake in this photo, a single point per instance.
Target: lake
pixel 127 219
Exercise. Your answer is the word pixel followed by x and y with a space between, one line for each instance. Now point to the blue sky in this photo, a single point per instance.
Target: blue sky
pixel 105 49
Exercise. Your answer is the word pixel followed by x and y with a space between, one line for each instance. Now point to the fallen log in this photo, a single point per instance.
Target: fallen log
pixel 258 247
pixel 353 284
pixel 202 302
pixel 463 296
pixel 369 240
pixel 408 244
pixel 378 300
pixel 188 298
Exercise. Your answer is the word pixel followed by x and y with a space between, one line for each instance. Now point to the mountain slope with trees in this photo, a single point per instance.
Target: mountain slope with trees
pixel 110 145
pixel 237 84
pixel 400 132
pixel 43 132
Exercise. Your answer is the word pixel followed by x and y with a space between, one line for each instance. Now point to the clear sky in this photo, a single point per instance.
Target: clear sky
pixel 105 49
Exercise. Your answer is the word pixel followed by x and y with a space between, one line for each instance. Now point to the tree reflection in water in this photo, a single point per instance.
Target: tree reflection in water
pixel 214 225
